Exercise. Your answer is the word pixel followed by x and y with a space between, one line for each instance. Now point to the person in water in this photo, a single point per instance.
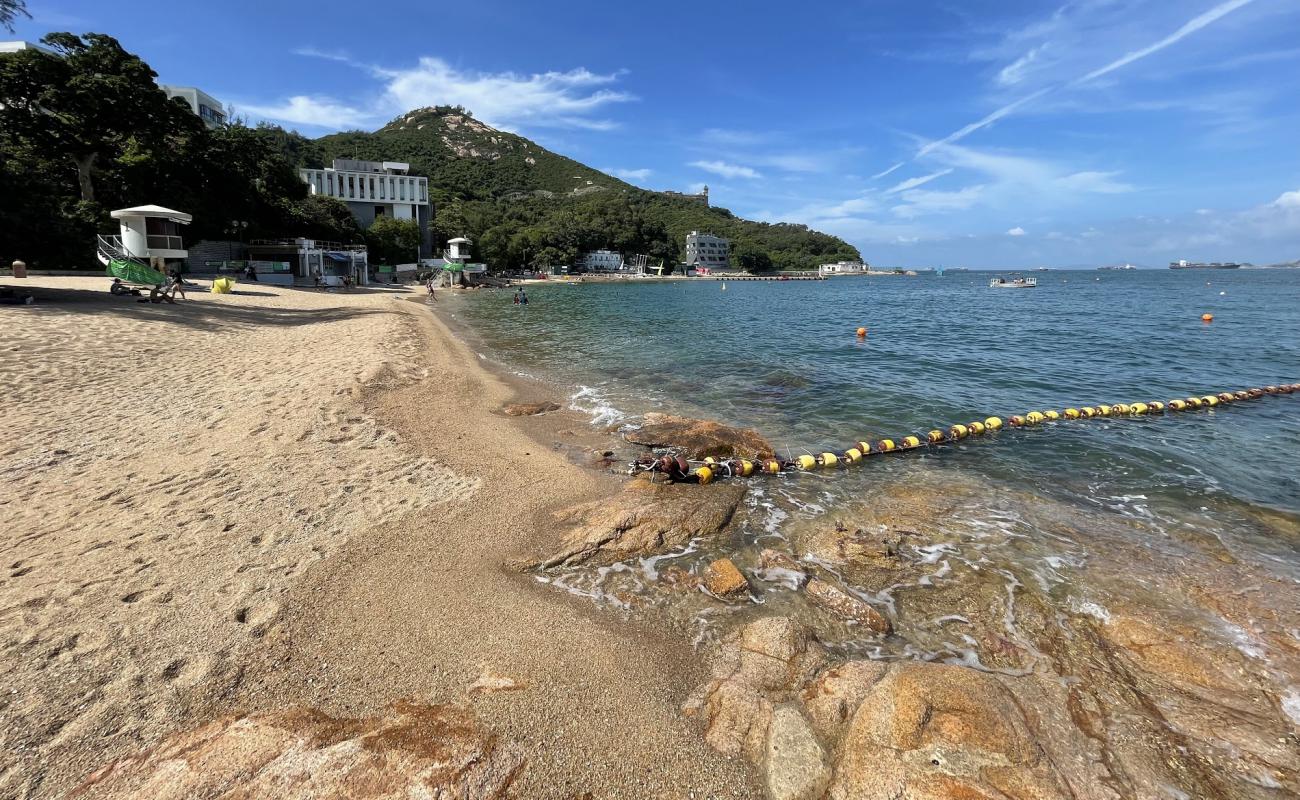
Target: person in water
pixel 523 297
pixel 516 298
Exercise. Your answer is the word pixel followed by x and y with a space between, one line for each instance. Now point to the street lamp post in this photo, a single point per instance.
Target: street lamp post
pixel 236 227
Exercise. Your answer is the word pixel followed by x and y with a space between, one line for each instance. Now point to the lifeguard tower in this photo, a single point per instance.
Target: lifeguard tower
pixel 150 236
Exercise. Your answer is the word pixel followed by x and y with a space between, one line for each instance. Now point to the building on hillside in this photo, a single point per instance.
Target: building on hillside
pixel 200 102
pixel 18 46
pixel 702 197
pixel 602 261
pixel 707 250
pixel 374 189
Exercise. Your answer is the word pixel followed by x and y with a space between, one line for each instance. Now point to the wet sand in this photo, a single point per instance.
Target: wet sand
pixel 286 497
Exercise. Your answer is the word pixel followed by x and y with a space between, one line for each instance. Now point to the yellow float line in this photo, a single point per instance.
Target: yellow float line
pixel 712 468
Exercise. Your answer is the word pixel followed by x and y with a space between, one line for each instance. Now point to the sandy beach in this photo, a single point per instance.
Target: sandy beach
pixel 286 498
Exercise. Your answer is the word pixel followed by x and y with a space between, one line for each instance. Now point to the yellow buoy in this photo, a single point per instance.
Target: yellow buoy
pixel 1087 412
pixel 1210 400
pixel 1225 397
pixel 705 474
pixel 976 428
pixel 993 423
pixel 771 467
pixel 1052 415
pixel 934 437
pixel 1034 417
pixel 958 431
pixel 1119 409
pixel 1071 413
pixel 1103 410
pixel 829 459
pixel 1194 402
pixel 1016 420
pixel 1139 408
pixel 911 441
pixel 710 460
pixel 806 462
pixel 1207 318
pixel 865 447
pixel 885 445
pixel 1177 405
pixel 1156 407
pixel 853 455
pixel 862 332
pixel 746 468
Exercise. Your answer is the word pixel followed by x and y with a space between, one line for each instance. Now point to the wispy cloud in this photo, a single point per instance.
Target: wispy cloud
pixel 726 170
pixel 923 202
pixel 912 183
pixel 629 174
pixel 1191 26
pixel 962 133
pixel 886 171
pixel 509 100
pixel 1014 72
pixel 1016 231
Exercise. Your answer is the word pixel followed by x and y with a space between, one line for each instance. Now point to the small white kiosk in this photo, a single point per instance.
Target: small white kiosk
pixel 151 234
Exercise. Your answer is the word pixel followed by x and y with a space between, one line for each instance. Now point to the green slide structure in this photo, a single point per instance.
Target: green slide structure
pixel 134 272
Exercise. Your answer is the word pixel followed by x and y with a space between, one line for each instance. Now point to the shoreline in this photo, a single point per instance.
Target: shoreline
pixel 331 513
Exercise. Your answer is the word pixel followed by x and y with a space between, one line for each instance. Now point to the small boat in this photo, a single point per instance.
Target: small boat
pixel 1013 283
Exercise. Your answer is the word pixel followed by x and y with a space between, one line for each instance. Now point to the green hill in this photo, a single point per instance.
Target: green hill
pixel 526 206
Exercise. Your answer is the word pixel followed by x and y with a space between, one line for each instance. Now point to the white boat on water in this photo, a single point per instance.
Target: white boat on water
pixel 1013 283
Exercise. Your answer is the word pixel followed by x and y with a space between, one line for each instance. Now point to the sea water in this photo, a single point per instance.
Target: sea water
pixel 1033 507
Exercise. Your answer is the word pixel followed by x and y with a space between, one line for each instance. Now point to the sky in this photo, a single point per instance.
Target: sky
pixel 977 133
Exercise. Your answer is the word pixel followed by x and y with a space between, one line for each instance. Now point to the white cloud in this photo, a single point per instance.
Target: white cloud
pixel 508 100
pixel 726 169
pixel 988 120
pixel 1191 26
pixel 1014 72
pixel 1016 231
pixel 629 174
pixel 920 202
pixel 885 172
pixel 1288 200
pixel 912 183
pixel 1093 182
pixel 321 112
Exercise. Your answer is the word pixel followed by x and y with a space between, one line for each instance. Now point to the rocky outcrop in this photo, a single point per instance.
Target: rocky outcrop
pixel 699 438
pixel 646 517
pixel 411 751
pixel 841 603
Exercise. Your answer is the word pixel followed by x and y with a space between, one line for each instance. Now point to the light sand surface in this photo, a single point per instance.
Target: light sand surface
pixel 290 497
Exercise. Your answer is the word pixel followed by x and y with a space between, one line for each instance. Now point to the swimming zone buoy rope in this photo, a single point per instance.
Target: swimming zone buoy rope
pixel 678 468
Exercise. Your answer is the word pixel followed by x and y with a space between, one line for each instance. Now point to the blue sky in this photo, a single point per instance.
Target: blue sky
pixel 956 133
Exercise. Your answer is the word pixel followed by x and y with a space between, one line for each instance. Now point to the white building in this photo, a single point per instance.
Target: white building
pixel 147 235
pixel 843 268
pixel 374 189
pixel 602 261
pixel 200 102
pixel 707 250
pixel 18 46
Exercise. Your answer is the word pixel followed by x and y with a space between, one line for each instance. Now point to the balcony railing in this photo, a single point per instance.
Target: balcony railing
pixel 161 242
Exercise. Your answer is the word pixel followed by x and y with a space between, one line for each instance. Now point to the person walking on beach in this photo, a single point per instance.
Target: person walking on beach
pixel 429 283
pixel 178 285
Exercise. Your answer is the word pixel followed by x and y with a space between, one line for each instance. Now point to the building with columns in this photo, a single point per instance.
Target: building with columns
pixel 373 189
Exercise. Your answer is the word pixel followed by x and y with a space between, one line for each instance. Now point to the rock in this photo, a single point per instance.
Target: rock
pixel 644 518
pixel 794 766
pixel 723 579
pixel 490 681
pixel 411 751
pixel 778 567
pixel 678 578
pixel 936 732
pixel 529 409
pixel 776 654
pixel 836 694
pixel 698 438
pixel 736 718
pixel 837 601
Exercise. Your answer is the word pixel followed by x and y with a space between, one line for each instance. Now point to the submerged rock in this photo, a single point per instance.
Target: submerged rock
pixel 837 601
pixel 698 438
pixel 529 409
pixel 645 518
pixel 411 751
pixel 723 579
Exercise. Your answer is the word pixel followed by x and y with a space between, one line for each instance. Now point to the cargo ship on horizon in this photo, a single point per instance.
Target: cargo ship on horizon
pixel 1185 264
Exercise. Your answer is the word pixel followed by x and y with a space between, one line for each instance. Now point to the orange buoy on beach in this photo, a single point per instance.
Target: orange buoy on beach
pixel 1207 318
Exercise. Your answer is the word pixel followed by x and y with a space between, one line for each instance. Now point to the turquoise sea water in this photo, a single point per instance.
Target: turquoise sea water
pixel 783 358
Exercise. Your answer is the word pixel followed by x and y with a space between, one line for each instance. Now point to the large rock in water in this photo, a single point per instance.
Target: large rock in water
pixel 414 751
pixel 646 517
pixel 699 438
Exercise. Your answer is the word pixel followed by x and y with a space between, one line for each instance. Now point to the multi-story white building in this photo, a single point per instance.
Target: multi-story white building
pixel 707 250
pixel 602 261
pixel 374 189
pixel 200 102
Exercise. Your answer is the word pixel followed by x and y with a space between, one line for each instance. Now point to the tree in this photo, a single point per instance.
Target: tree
pixel 11 10
pixel 393 241
pixel 751 259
